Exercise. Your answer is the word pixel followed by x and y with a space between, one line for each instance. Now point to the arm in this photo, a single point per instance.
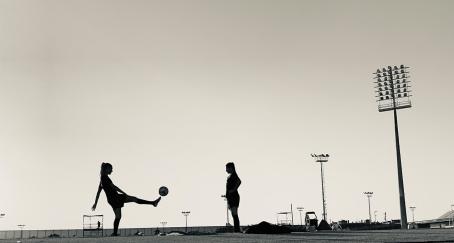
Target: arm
pixel 97 197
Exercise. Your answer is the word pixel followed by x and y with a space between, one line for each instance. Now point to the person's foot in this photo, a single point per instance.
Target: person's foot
pixel 114 234
pixel 155 202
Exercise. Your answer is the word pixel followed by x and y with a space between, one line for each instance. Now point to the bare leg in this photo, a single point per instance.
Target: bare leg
pixel 236 219
pixel 117 212
pixel 141 201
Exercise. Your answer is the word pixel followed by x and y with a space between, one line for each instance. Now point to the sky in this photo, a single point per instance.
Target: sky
pixel 170 91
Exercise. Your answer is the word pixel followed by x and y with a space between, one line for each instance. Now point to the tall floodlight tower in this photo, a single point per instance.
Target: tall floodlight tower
pixel 322 158
pixel 393 93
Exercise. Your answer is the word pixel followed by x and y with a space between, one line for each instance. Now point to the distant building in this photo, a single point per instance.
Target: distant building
pixel 444 221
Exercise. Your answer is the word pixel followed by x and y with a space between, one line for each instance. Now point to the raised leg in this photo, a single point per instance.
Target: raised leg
pixel 141 201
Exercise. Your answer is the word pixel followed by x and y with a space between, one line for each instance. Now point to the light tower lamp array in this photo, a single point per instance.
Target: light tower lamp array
pixel 393 88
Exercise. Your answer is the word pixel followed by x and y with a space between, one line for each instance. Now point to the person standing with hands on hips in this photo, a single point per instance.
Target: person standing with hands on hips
pixel 232 195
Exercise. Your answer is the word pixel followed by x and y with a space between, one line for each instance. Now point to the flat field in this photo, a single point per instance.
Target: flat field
pixel 422 235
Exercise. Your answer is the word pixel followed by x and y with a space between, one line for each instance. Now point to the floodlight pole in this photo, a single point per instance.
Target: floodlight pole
pixel 395 105
pixel 413 213
pixel 21 226
pixel 323 191
pixel 186 214
pixel 291 211
pixel 300 209
pixel 322 158
pixel 452 214
pixel 403 209
pixel 369 195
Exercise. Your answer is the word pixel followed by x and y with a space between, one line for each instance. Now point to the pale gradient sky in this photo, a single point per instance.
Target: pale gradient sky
pixel 169 91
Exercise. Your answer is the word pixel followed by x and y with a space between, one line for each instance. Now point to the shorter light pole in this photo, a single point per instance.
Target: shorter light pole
pixel 163 223
pixel 413 212
pixel 300 209
pixel 186 214
pixel 375 215
pixel 369 195
pixel 227 203
pixel 21 226
pixel 322 158
pixel 412 208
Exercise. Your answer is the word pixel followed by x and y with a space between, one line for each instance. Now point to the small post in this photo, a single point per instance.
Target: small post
pixel 227 211
pixel 291 210
pixel 163 223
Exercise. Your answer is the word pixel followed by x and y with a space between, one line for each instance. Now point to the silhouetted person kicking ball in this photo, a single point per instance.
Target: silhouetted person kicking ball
pixel 115 196
pixel 232 195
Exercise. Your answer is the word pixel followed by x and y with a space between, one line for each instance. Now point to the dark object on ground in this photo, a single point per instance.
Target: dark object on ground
pixel 373 226
pixel 267 228
pixel 311 221
pixel 54 236
pixel 323 225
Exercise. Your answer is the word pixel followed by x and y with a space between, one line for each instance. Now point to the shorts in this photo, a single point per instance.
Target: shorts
pixel 117 200
pixel 233 200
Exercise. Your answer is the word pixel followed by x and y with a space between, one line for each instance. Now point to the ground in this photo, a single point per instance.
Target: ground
pixel 422 235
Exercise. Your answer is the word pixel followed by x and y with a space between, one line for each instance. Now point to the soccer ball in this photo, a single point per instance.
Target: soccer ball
pixel 163 191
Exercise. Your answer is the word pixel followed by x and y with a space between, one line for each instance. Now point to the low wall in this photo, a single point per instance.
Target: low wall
pixel 68 233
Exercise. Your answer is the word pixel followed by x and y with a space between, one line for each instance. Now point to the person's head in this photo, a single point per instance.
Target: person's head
pixel 230 168
pixel 106 168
